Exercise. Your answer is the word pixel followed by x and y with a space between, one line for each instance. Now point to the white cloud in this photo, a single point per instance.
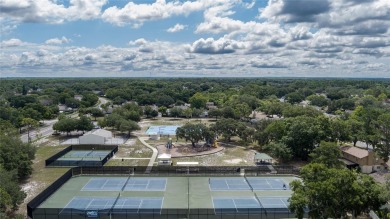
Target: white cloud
pixel 11 43
pixel 58 41
pixel 48 11
pixel 211 46
pixel 136 14
pixel 176 28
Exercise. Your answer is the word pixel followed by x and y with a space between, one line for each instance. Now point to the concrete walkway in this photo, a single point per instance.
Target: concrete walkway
pixel 154 156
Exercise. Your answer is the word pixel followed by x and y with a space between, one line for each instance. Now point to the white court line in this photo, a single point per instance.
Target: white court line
pixel 235 206
pixel 67 205
pixel 139 206
pixel 226 184
pixel 90 201
pixel 82 189
pixel 101 187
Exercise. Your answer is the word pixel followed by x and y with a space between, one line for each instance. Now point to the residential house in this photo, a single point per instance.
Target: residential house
pixel 365 159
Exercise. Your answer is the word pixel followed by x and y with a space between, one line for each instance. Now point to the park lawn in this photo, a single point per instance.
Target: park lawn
pixel 230 156
pixel 136 150
pixel 41 177
pixel 132 162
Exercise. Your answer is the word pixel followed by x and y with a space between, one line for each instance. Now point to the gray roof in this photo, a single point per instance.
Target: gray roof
pixel 262 156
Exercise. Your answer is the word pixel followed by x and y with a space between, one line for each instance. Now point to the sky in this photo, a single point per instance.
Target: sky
pixel 195 38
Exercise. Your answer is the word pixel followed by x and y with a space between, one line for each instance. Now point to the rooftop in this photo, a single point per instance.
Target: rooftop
pixel 355 151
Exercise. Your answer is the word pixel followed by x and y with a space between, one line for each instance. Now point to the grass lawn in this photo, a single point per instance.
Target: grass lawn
pixel 41 177
pixel 119 162
pixel 134 150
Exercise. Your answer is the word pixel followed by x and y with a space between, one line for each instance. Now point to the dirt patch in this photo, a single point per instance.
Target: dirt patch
pixel 186 150
pixel 234 161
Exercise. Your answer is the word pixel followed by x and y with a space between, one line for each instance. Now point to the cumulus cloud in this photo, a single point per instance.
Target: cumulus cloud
pixel 11 43
pixel 211 46
pixel 48 11
pixel 136 14
pixel 58 41
pixel 176 28
pixel 295 11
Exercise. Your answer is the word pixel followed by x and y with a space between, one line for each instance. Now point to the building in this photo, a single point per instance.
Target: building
pixel 365 159
pixel 164 159
pixel 98 136
pixel 78 97
pixel 262 158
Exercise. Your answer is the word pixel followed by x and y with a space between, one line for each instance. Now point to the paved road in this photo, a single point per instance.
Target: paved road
pixel 102 101
pixel 44 131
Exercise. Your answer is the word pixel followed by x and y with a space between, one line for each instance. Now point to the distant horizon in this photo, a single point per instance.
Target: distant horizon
pixel 194 77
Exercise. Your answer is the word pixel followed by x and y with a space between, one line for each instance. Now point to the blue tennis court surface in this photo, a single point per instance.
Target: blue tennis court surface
pixel 274 203
pixel 123 204
pixel 119 183
pixel 138 205
pixel 236 205
pixel 162 130
pixel 105 184
pixel 267 183
pixel 145 184
pixel 222 184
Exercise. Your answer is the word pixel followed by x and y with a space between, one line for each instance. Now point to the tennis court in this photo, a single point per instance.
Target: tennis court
pixel 125 184
pixel 162 130
pixel 146 184
pixel 267 183
pixel 236 205
pixel 223 184
pixel 164 197
pixel 115 205
pixel 275 203
pixel 84 154
pixel 247 183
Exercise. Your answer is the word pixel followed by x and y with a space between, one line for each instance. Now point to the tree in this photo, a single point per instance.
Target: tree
pixel 176 112
pixel 154 113
pixel 242 110
pixel 355 127
pixel 318 100
pixel 340 130
pixel 113 119
pixel 192 132
pixel 187 113
pixel 129 126
pixel 302 135
pixel 148 111
pixel 279 151
pixel 11 194
pixel 65 125
pixel 162 110
pixel 30 123
pixel 215 113
pixel 14 154
pixel 84 124
pixel 332 193
pixel 294 97
pixel 328 154
pixel 384 130
pixel 226 127
pixel 95 112
pixel 198 101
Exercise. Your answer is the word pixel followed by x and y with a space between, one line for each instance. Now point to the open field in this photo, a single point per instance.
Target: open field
pixel 133 148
